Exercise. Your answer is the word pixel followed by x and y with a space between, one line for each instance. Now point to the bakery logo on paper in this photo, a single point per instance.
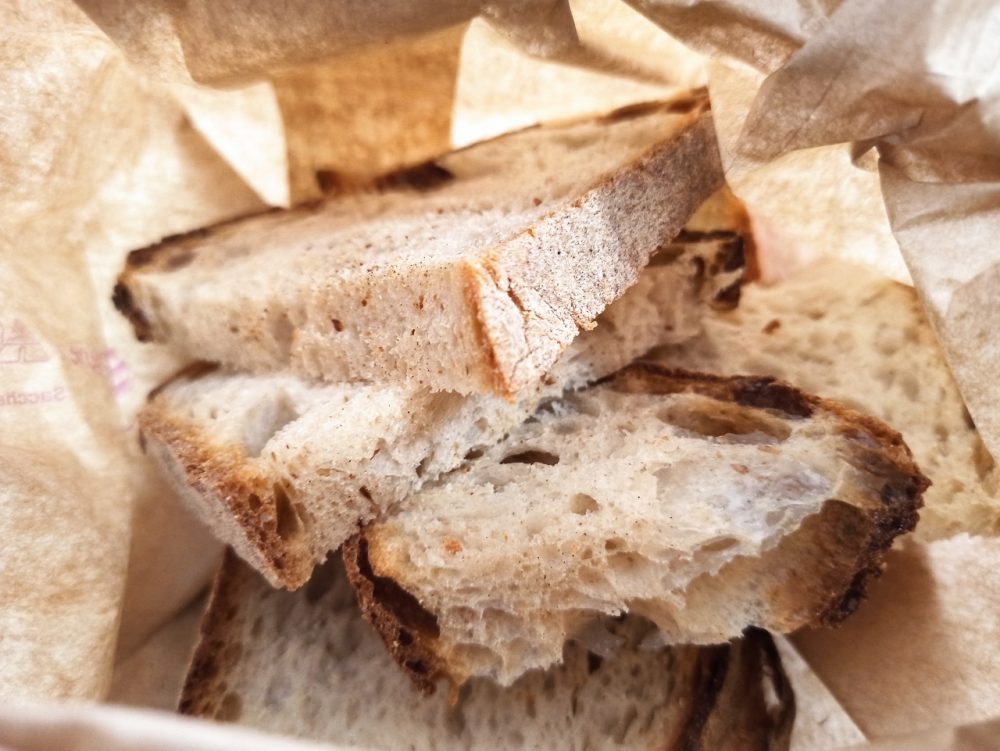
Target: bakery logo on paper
pixel 104 362
pixel 18 346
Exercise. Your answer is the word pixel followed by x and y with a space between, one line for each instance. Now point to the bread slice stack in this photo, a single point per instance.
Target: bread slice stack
pixel 434 374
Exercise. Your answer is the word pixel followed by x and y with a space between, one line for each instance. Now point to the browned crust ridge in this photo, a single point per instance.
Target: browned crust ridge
pixel 203 693
pixel 221 482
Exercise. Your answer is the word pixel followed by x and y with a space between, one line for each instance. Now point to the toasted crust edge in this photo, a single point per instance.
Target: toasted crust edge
pixel 847 575
pixel 408 631
pixel 202 694
pixel 214 481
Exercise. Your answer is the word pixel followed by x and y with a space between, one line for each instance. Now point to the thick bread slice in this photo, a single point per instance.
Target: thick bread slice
pixel 284 471
pixel 472 282
pixel 306 664
pixel 706 504
pixel 847 332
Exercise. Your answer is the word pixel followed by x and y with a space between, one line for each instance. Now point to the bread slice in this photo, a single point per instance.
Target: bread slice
pixel 284 471
pixel 306 664
pixel 706 504
pixel 470 275
pixel 849 333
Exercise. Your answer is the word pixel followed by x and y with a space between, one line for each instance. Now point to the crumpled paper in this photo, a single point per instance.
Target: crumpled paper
pixel 921 85
pixel 922 652
pixel 77 727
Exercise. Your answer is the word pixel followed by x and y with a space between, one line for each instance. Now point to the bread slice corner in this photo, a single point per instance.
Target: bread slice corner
pixel 473 283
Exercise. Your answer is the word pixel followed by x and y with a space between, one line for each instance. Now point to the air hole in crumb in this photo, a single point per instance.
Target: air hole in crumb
pixel 337 325
pixel 230 708
pixel 365 492
pixel 717 546
pixel 581 503
pixel 534 524
pixel 473 454
pixel 714 419
pixel 421 469
pixel 982 460
pixel 531 456
pixel 288 525
pixel 583 404
pixel 614 543
pixel 404 637
pixel 282 331
pixel 258 432
pixel 253 501
pixel 566 427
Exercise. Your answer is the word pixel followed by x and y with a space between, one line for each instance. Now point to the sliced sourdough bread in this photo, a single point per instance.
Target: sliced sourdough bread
pixel 706 504
pixel 470 275
pixel 284 471
pixel 306 664
pixel 847 332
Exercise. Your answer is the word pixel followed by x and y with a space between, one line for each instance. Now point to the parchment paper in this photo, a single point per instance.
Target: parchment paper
pixel 920 83
pixel 922 652
pixel 92 162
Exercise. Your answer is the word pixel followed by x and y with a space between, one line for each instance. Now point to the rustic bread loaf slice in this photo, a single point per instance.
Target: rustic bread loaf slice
pixel 284 471
pixel 472 281
pixel 849 333
pixel 306 664
pixel 706 504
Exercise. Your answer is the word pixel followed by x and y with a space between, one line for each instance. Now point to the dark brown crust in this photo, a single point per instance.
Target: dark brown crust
pixel 737 712
pixel 408 631
pixel 204 685
pixel 852 540
pixel 763 392
pixel 217 477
